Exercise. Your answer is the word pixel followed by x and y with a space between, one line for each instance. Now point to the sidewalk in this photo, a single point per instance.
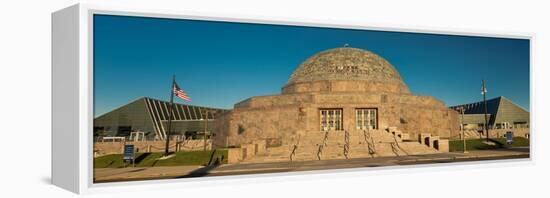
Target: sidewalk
pixel 145 173
pixel 134 173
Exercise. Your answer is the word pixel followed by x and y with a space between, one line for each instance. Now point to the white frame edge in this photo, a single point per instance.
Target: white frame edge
pixel 72 99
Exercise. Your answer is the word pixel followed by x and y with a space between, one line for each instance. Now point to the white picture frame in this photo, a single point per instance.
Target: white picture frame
pixel 72 96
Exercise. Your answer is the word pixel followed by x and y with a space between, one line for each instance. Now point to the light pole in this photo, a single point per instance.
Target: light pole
pixel 484 92
pixel 206 112
pixel 461 109
pixel 205 129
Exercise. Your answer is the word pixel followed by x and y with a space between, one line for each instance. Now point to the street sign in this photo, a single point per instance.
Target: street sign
pixel 128 153
pixel 509 137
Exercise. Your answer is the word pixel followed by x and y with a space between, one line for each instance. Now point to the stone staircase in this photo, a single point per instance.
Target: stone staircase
pixel 316 145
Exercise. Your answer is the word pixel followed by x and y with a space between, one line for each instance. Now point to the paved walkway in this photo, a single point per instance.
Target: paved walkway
pixel 144 173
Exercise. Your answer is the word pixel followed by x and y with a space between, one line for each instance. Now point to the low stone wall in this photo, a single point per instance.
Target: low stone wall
pixel 105 148
pixel 246 151
pixel 443 145
pixel 234 155
pixel 493 133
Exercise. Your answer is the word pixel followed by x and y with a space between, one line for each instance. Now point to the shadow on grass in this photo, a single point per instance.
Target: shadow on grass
pixel 484 146
pixel 211 157
pixel 141 157
pixel 209 166
pixel 497 143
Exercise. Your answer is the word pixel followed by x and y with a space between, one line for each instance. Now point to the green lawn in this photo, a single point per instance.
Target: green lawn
pixel 477 144
pixel 150 159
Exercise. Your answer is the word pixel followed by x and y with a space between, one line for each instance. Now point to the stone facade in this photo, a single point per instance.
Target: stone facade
pixel 342 79
pixel 345 63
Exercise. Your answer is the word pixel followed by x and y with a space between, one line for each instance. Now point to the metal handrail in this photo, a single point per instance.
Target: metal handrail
pixel 322 146
pixel 295 147
pixel 370 144
pixel 346 145
pixel 397 145
pixel 293 153
pixel 394 149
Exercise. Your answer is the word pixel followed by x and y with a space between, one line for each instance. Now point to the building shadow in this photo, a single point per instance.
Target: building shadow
pixel 497 143
pixel 201 172
pixel 209 166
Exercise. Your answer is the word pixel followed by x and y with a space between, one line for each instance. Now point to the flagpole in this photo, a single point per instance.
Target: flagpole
pixel 170 111
pixel 484 91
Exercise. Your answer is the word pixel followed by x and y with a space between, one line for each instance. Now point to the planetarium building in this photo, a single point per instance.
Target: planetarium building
pixel 339 103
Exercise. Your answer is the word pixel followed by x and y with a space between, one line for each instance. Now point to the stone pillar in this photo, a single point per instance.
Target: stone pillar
pixel 348 118
pixel 444 145
pixel 234 155
pixel 260 146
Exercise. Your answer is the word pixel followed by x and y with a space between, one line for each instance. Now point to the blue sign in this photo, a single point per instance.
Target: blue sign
pixel 509 137
pixel 128 152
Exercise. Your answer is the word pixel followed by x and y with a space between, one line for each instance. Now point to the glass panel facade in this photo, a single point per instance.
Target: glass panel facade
pixel 366 119
pixel 187 113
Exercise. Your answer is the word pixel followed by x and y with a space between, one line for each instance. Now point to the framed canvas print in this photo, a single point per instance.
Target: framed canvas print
pixel 145 96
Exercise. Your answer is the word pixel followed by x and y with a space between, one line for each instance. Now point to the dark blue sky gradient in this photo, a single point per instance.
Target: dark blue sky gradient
pixel 219 63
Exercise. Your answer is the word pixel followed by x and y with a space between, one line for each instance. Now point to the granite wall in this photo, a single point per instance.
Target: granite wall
pixel 283 117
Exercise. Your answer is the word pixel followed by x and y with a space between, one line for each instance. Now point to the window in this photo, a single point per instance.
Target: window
pixel 331 119
pixel 503 125
pixel 366 119
pixel 520 125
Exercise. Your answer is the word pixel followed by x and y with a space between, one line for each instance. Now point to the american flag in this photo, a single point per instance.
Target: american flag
pixel 180 93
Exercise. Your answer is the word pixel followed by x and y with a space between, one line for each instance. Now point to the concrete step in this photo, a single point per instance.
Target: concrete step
pixel 263 159
pixel 309 143
pixel 385 150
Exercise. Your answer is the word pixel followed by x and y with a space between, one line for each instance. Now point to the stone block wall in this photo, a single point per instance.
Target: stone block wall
pixel 336 86
pixel 444 145
pixel 286 116
pixel 234 155
pixel 106 148
pixel 244 126
pixel 246 151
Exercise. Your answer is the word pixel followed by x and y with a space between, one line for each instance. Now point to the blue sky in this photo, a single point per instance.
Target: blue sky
pixel 219 63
